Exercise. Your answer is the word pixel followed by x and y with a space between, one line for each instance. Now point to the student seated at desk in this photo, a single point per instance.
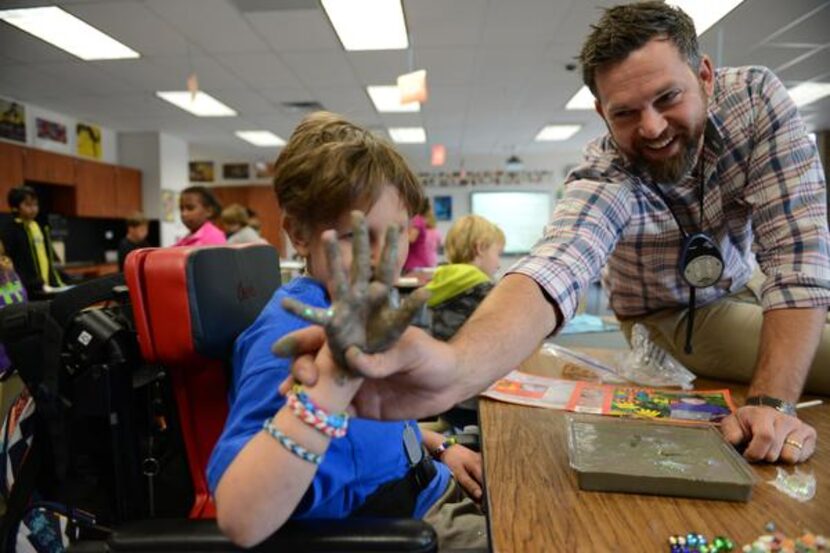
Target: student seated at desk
pixel 474 246
pixel 269 464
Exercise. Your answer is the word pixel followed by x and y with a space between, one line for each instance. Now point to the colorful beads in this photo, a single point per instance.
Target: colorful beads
pixel 697 543
pixel 332 425
pixel 779 543
pixel 771 542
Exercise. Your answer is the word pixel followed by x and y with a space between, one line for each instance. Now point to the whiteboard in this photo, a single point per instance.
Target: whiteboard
pixel 522 216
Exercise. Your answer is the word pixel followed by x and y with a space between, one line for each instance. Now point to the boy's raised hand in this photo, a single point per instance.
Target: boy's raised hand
pixel 361 318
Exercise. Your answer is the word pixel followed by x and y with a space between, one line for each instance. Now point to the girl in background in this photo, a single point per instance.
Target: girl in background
pixel 198 207
pixel 433 235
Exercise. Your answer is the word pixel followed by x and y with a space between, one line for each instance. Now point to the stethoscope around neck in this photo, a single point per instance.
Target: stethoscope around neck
pixel 700 262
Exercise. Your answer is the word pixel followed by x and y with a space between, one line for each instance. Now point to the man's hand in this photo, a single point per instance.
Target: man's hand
pixel 423 389
pixel 770 435
pixel 361 319
pixel 465 465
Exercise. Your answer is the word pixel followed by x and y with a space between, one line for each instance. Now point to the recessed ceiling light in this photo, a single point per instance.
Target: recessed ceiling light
pixel 408 135
pixel 203 105
pixel 368 24
pixel 705 13
pixel 67 32
pixel 557 132
pixel 583 99
pixel 261 138
pixel 387 99
pixel 807 93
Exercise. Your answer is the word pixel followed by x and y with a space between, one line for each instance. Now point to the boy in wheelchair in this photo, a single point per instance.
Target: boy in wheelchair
pixel 298 455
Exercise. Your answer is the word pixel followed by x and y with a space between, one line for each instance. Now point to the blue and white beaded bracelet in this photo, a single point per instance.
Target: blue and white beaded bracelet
pixel 290 444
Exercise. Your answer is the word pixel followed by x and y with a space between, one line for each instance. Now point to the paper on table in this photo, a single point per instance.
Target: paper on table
pixel 696 406
pixel 528 389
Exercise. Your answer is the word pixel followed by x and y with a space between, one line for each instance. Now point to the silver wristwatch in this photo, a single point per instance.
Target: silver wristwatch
pixel 779 404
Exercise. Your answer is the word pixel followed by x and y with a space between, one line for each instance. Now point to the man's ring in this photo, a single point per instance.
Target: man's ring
pixel 793 443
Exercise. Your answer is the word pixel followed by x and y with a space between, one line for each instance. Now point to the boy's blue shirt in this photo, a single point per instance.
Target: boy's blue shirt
pixel 372 452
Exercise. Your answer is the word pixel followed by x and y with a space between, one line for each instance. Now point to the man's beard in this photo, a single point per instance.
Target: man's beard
pixel 675 168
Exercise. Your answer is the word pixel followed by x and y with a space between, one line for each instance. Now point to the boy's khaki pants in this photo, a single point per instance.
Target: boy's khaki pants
pixel 726 336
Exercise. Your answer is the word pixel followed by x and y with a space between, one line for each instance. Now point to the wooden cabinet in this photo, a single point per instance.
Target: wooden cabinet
pixel 47 167
pixel 84 188
pixel 127 191
pixel 95 190
pixel 11 170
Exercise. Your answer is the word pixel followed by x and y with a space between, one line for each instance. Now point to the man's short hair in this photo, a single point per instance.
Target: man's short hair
pixel 330 166
pixel 235 214
pixel 20 194
pixel 628 27
pixel 469 234
pixel 136 219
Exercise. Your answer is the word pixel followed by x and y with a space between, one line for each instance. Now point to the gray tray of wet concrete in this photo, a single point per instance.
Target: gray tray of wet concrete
pixel 633 456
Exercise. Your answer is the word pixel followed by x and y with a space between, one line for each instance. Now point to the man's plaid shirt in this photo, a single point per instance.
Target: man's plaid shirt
pixel 764 199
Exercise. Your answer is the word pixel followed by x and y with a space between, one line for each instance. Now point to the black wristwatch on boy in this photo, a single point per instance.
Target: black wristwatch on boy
pixel 785 407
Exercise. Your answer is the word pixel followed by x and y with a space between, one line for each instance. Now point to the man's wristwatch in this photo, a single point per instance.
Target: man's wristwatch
pixel 778 404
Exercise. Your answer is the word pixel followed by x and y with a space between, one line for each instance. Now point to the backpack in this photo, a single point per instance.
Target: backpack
pixel 92 441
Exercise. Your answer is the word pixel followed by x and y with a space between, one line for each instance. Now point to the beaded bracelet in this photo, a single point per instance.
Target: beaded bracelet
pixel 290 444
pixel 448 443
pixel 332 425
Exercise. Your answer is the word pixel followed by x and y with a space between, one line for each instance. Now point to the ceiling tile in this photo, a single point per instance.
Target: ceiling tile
pixel 447 66
pixel 381 68
pixel 20 46
pixel 813 29
pixel 246 102
pixel 348 101
pixel 293 30
pixel 215 26
pixel 330 68
pixel 771 56
pixel 814 66
pixel 260 70
pixel 442 23
pixel 133 24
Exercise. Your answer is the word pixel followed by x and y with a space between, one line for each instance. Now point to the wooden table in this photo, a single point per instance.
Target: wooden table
pixel 534 503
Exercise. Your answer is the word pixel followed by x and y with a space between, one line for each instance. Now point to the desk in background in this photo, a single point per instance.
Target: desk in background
pixel 534 503
pixel 87 270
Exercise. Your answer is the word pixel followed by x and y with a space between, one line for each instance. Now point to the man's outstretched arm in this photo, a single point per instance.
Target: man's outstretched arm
pixel 420 376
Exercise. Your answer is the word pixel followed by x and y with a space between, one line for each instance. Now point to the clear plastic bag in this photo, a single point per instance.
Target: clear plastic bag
pixel 581 366
pixel 798 485
pixel 650 365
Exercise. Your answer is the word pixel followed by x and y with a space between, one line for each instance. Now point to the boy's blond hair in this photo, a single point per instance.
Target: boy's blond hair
pixel 136 219
pixel 330 166
pixel 468 235
pixel 235 214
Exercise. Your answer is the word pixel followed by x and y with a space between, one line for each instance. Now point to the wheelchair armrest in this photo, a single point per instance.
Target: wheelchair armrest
pixel 342 535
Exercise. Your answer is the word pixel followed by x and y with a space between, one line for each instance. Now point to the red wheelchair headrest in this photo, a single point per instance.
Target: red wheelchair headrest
pixel 193 302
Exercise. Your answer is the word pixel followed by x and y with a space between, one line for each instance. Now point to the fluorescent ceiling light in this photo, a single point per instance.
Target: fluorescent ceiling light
pixel 368 24
pixel 261 138
pixel 408 135
pixel 387 99
pixel 203 105
pixel 557 132
pixel 705 13
pixel 807 93
pixel 583 99
pixel 67 32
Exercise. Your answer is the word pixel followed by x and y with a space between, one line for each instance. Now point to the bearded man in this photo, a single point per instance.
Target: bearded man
pixel 704 210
